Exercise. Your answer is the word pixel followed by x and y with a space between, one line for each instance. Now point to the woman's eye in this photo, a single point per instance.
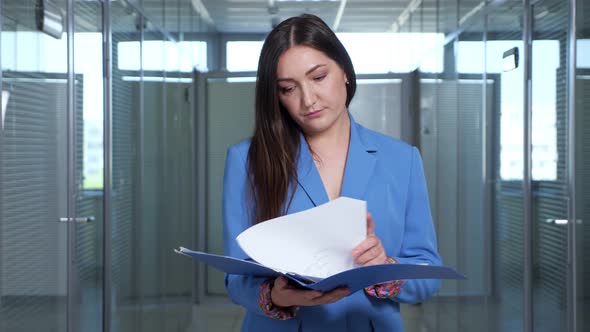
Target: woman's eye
pixel 286 89
pixel 319 78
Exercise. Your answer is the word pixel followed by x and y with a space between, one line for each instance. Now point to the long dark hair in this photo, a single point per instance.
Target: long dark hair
pixel 274 149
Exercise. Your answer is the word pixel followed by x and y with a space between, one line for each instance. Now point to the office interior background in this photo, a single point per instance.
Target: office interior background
pixel 116 116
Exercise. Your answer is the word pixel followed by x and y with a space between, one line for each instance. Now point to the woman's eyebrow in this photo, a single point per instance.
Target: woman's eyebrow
pixel 306 73
pixel 314 68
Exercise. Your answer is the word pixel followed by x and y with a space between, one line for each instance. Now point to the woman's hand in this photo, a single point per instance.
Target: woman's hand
pixel 284 295
pixel 370 251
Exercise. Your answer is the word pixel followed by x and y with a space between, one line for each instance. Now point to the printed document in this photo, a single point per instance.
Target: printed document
pixel 317 242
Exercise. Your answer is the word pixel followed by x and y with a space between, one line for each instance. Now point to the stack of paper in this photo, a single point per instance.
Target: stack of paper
pixel 317 242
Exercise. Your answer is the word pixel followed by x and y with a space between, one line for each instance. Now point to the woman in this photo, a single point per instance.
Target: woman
pixel 306 150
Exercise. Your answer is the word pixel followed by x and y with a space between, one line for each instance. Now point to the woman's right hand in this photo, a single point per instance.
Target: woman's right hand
pixel 284 295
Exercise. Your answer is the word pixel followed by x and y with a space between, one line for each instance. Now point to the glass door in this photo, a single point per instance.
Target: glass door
pixel 33 173
pixel 88 169
pixel 51 168
pixel 581 140
pixel 508 239
pixel 549 163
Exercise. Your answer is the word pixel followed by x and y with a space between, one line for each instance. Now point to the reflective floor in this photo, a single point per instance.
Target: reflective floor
pixel 227 317
pixel 440 314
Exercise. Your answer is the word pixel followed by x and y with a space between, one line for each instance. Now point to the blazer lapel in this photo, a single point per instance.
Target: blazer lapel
pixel 359 163
pixel 308 176
pixel 359 168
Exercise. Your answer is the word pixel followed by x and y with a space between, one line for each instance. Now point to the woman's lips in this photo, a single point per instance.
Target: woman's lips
pixel 313 114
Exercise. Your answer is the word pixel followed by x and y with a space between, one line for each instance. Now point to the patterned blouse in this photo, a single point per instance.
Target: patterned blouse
pixel 386 290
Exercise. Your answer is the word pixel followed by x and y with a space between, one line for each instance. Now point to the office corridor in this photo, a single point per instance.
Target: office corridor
pixel 116 117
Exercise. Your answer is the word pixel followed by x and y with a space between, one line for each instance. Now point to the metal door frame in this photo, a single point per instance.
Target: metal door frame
pixel 571 282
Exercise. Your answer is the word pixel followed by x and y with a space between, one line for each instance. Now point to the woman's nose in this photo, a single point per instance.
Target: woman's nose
pixel 308 95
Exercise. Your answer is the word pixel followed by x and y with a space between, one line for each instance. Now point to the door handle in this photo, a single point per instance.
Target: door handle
pixel 79 220
pixel 561 222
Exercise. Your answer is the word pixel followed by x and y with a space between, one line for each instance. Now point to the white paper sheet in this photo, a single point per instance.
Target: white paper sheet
pixel 317 242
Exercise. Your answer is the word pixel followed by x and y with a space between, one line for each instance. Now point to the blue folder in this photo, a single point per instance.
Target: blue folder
pixel 355 279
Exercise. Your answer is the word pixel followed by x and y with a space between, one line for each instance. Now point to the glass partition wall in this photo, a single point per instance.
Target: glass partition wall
pixel 86 279
pixel 549 164
pixel 96 166
pixel 125 222
pixel 34 169
pixel 99 167
pixel 153 174
pixel 501 141
pixel 51 163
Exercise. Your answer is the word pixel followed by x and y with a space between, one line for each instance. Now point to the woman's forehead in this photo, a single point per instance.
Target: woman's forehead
pixel 300 60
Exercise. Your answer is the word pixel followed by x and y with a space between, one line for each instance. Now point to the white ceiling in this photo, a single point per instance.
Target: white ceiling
pixel 257 16
pixel 254 16
pixel 357 15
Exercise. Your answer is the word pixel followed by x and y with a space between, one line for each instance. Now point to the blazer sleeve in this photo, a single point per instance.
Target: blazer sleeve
pixel 243 290
pixel 419 240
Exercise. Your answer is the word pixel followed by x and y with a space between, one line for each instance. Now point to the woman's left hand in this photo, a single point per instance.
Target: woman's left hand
pixel 370 251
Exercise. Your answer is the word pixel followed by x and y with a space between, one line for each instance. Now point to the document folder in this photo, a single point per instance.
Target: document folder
pixel 355 279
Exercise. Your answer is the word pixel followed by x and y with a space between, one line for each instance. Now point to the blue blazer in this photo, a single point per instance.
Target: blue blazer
pixel 383 171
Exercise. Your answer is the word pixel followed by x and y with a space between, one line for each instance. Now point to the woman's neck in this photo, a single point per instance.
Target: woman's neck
pixel 333 139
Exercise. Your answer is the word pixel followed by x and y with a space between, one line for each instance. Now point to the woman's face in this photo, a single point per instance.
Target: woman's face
pixel 312 87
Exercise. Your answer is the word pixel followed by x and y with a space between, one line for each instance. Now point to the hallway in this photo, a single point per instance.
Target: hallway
pixel 117 115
